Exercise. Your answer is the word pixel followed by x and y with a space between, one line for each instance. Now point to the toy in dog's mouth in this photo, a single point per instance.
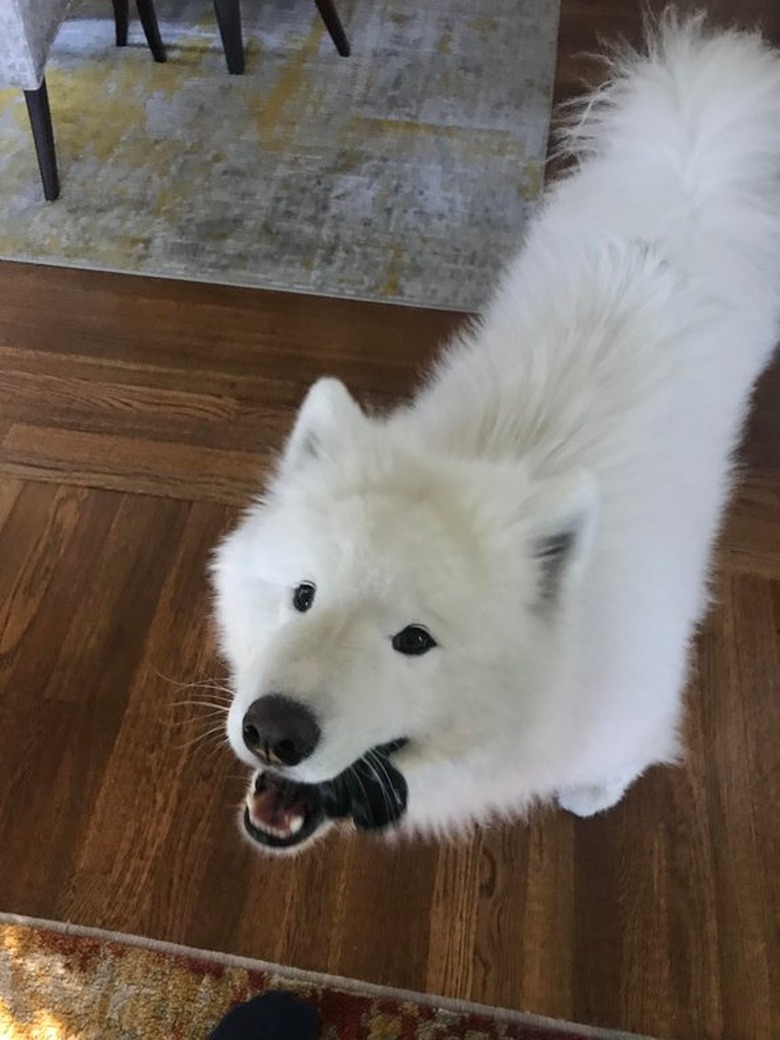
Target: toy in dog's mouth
pixel 280 813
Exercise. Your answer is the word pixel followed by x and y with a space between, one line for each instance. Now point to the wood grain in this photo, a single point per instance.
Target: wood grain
pixel 135 415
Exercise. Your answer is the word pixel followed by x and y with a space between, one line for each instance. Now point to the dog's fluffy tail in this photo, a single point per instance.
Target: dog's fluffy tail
pixel 689 135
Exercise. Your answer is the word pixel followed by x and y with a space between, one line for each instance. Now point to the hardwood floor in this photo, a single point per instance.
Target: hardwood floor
pixel 135 418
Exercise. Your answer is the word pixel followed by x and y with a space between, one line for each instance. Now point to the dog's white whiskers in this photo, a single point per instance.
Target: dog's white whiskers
pixel 371 757
pixel 213 685
pixel 177 725
pixel 353 773
pixel 378 759
pixel 216 705
pixel 207 736
pixel 208 688
pixel 213 750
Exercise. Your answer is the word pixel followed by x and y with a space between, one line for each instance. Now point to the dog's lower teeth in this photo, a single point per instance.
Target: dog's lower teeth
pixel 276 832
pixel 293 827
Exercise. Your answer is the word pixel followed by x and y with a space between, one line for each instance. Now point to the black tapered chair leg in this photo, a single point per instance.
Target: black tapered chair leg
pixel 333 24
pixel 43 135
pixel 228 14
pixel 148 16
pixel 121 18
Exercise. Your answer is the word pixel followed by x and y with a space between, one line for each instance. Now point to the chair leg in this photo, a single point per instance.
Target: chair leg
pixel 228 14
pixel 327 9
pixel 43 135
pixel 148 18
pixel 120 21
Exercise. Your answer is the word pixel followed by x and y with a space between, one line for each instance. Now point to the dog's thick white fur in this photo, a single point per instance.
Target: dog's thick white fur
pixel 546 506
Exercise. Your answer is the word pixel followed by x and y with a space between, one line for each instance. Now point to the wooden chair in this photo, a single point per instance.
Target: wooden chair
pixel 148 18
pixel 27 30
pixel 228 14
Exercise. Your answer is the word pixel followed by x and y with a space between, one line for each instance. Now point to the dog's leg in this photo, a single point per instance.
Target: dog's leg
pixel 595 798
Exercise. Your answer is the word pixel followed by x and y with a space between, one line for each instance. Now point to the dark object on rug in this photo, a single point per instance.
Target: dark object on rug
pixel 275 1015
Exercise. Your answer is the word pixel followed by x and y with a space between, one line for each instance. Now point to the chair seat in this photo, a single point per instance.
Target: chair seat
pixel 27 31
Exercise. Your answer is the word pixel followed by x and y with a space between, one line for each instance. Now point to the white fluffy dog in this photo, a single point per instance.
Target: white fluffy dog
pixel 485 598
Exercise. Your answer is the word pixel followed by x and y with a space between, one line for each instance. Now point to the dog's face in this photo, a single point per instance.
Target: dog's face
pixel 370 607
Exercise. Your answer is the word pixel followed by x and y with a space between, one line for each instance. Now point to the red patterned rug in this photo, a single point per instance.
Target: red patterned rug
pixel 59 982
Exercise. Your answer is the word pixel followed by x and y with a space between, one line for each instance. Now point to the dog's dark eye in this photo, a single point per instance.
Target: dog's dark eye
pixel 303 597
pixel 413 641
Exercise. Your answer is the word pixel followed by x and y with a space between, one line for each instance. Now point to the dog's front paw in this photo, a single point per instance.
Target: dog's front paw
pixel 591 799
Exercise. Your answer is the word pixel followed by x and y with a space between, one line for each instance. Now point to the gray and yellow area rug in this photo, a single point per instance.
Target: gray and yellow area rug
pixel 402 173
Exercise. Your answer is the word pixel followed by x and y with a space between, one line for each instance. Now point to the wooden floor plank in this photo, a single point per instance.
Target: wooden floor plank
pixel 238 333
pixel 169 468
pixel 750 543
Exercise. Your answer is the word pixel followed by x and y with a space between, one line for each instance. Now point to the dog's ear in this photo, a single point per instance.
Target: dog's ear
pixel 328 415
pixel 564 519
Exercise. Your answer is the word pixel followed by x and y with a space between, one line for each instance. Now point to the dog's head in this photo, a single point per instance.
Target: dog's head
pixel 384 597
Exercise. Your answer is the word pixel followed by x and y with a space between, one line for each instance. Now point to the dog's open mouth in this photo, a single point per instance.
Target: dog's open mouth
pixel 280 813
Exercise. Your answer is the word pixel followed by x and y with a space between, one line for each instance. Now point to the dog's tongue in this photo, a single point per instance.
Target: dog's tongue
pixel 277 808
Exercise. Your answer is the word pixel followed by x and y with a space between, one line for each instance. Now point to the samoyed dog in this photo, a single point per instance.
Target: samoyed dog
pixel 485 598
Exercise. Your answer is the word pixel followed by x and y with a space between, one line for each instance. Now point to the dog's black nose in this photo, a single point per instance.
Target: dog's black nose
pixel 279 730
